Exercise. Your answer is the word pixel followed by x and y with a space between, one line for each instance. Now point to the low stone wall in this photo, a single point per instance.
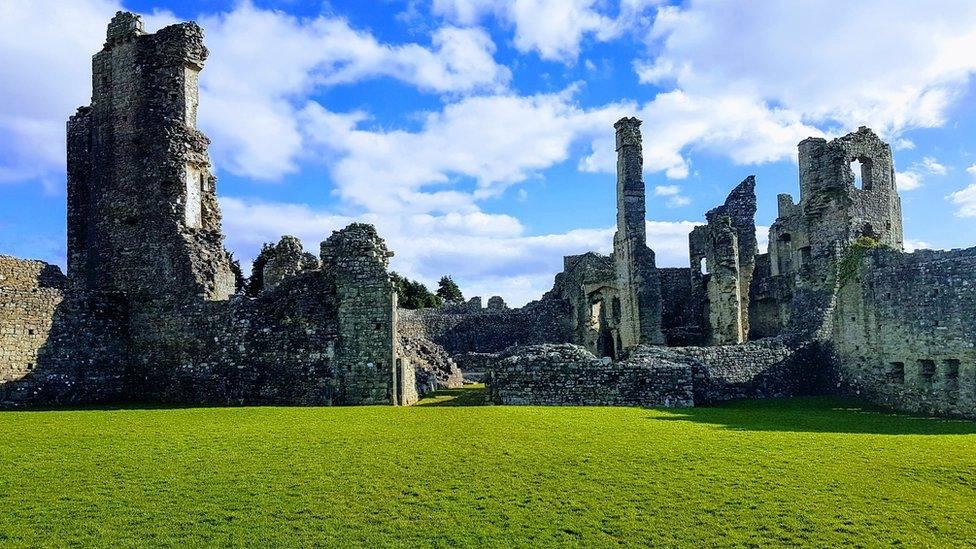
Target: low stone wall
pixel 30 293
pixel 653 375
pixel 568 374
pixel 766 368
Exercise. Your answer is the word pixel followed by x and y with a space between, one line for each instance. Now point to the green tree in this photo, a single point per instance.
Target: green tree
pixel 449 291
pixel 412 294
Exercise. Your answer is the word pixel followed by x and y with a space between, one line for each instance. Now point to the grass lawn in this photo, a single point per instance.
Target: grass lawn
pixel 819 472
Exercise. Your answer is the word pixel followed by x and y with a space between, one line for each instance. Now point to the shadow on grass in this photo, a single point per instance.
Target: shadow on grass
pixel 817 415
pixel 470 395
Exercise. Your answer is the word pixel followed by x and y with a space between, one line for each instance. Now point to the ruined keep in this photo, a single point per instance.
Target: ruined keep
pixel 148 310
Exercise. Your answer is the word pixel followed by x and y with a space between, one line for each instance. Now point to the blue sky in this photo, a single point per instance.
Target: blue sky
pixel 477 134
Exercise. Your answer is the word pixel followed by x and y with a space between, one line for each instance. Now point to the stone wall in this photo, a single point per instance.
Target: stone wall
pixel 723 255
pixel 904 330
pixel 57 347
pixel 462 329
pixel 679 314
pixel 30 293
pixel 433 368
pixel 569 375
pixel 654 375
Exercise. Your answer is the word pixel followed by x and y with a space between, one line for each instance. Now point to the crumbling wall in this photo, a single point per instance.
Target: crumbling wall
pixel 723 255
pixel 30 293
pixel 717 291
pixel 462 329
pixel 904 329
pixel 569 375
pixel 588 287
pixel 655 375
pixel 433 367
pixel 679 320
pixel 287 258
pixel 769 301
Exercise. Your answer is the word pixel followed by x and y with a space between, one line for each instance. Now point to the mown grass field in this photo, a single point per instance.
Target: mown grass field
pixel 816 472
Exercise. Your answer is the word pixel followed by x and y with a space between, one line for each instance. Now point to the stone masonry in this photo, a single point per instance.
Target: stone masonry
pixel 148 310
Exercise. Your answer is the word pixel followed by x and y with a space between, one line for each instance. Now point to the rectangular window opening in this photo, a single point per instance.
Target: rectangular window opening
pixel 896 372
pixel 926 370
pixel 950 369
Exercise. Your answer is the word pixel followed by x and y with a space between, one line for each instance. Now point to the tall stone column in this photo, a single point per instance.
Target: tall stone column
pixel 637 278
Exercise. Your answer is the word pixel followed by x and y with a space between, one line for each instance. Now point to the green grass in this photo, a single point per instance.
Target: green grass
pixel 817 472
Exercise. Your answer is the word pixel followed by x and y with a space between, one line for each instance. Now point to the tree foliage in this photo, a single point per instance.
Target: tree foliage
pixel 412 294
pixel 449 291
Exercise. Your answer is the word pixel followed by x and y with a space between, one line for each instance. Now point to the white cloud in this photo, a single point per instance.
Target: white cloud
pixel 965 199
pixel 933 166
pixel 263 64
pixel 420 170
pixel 729 124
pixel 297 56
pixel 554 29
pixel 911 245
pixel 908 180
pixel 915 175
pixel 673 193
pixel 889 65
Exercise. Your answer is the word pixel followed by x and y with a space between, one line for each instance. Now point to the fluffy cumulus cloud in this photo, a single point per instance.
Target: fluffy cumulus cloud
pixel 46 48
pixel 834 65
pixel 296 57
pixel 913 177
pixel 729 124
pixel 965 199
pixel 673 194
pixel 554 29
pixel 417 170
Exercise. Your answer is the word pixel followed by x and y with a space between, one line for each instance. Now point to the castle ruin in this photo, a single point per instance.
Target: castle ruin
pixel 149 310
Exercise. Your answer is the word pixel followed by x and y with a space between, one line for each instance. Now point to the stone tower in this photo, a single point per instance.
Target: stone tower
pixel 836 207
pixel 142 207
pixel 637 277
